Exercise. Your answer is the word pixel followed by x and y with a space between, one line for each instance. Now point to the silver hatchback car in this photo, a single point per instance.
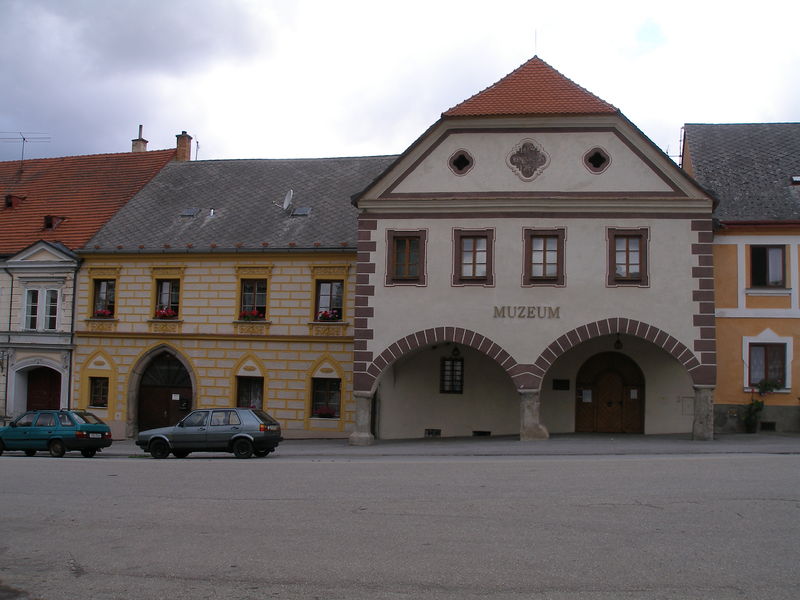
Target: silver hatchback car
pixel 242 431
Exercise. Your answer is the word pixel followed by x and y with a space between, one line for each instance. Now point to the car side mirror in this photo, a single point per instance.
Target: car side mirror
pixel 180 423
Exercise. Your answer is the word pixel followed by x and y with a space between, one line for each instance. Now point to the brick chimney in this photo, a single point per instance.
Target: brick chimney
pixel 184 145
pixel 139 144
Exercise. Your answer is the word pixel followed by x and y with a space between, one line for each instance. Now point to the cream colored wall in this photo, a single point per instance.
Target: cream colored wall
pixel 666 303
pixel 286 352
pixel 410 402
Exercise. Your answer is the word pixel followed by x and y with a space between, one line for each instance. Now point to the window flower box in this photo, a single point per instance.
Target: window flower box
pixel 103 313
pixel 165 313
pixel 329 315
pixel 251 315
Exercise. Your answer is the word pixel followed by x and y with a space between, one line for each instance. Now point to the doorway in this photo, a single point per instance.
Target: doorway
pixel 44 389
pixel 165 393
pixel 609 395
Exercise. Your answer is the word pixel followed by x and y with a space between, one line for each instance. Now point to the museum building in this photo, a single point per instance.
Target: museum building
pixel 533 264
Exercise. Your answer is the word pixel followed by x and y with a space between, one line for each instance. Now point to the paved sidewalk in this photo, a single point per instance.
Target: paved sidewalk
pixel 557 445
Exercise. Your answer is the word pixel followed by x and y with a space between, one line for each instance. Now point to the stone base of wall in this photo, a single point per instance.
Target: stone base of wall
pixel 729 418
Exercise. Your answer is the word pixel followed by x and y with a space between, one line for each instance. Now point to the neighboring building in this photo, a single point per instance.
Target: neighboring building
pixel 533 264
pixel 225 283
pixel 49 208
pixel 754 171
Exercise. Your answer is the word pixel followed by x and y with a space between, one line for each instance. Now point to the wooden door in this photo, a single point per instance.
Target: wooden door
pixel 44 389
pixel 609 390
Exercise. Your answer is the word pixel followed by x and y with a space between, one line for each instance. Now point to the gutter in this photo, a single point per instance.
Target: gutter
pixel 72 332
pixel 7 357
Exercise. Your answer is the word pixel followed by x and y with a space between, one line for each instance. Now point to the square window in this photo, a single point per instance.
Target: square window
pixel 473 257
pixel 249 392
pixel 768 266
pixel 767 364
pixel 253 300
pixel 98 391
pixel 325 398
pixel 104 296
pixel 544 257
pixel 451 375
pixel 628 257
pixel 328 306
pixel 406 258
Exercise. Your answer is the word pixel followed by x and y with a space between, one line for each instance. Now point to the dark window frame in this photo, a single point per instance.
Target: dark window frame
pixel 392 277
pixel 763 267
pixel 250 300
pixel 174 296
pixel 334 304
pixel 326 397
pixel 773 352
pixel 529 279
pixel 104 301
pixel 98 388
pixel 459 236
pixel 451 375
pixel 248 390
pixel 643 235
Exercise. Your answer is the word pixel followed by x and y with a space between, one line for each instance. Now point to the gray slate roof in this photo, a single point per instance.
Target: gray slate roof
pixel 246 197
pixel 748 167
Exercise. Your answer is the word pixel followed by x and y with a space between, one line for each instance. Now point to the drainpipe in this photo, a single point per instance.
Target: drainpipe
pixel 7 358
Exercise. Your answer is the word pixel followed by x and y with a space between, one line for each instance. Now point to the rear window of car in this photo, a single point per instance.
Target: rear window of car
pixel 65 421
pixel 264 417
pixel 86 417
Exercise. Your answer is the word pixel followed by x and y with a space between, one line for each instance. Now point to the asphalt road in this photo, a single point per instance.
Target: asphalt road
pixel 709 526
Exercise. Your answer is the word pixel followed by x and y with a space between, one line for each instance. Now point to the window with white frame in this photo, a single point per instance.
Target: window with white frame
pixel 41 309
pixel 768 266
pixel 767 360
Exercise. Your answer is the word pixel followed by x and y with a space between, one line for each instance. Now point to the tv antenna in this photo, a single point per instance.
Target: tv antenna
pixel 26 137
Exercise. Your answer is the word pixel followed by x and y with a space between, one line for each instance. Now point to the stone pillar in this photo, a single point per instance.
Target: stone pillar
pixel 703 426
pixel 362 436
pixel 530 426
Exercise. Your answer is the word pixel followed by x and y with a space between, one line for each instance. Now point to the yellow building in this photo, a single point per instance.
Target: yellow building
pixel 754 171
pixel 225 283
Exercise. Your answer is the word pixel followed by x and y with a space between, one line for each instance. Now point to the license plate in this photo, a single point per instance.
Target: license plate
pixel 95 435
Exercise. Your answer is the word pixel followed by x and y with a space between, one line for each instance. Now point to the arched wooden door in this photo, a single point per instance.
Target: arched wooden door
pixel 609 395
pixel 44 389
pixel 165 393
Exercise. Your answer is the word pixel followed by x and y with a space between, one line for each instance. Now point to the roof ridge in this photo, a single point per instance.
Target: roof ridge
pixel 149 153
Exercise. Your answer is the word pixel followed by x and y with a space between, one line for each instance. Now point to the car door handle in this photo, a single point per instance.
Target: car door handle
pixel 236 428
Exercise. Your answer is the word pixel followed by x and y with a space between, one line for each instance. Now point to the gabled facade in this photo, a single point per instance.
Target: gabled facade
pixel 533 264
pixel 225 283
pixel 754 171
pixel 49 208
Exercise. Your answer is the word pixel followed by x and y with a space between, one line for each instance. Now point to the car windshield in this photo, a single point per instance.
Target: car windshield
pixel 264 417
pixel 86 417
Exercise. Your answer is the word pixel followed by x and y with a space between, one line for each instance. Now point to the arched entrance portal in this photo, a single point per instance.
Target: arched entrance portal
pixel 609 396
pixel 44 389
pixel 165 392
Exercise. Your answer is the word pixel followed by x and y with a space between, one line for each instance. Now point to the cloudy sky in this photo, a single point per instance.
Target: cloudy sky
pixel 273 79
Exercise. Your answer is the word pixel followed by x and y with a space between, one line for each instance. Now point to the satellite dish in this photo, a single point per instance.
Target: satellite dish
pixel 287 200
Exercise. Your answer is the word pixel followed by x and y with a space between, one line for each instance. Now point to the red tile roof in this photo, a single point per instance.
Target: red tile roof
pixel 535 88
pixel 84 191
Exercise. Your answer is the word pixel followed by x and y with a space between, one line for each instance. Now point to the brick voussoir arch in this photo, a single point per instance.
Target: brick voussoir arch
pixel 521 375
pixel 619 325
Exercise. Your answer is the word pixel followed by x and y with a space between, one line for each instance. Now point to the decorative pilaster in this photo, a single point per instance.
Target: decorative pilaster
pixel 703 426
pixel 362 436
pixel 531 427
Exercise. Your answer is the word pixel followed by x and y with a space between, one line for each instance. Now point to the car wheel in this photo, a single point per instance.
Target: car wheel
pixel 159 449
pixel 242 448
pixel 180 453
pixel 57 448
pixel 88 452
pixel 30 452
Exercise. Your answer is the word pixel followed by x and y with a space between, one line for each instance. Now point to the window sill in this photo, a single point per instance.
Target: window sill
pixel 755 391
pixel 766 291
pixel 253 322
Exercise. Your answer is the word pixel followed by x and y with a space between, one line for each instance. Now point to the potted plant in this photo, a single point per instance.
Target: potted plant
pixel 329 315
pixel 325 412
pixel 103 313
pixel 165 313
pixel 752 412
pixel 251 315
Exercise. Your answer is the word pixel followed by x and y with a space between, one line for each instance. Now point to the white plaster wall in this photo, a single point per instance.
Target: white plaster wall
pixel 666 303
pixel 565 172
pixel 410 402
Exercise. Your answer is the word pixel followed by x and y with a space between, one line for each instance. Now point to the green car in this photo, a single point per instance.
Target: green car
pixel 56 431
